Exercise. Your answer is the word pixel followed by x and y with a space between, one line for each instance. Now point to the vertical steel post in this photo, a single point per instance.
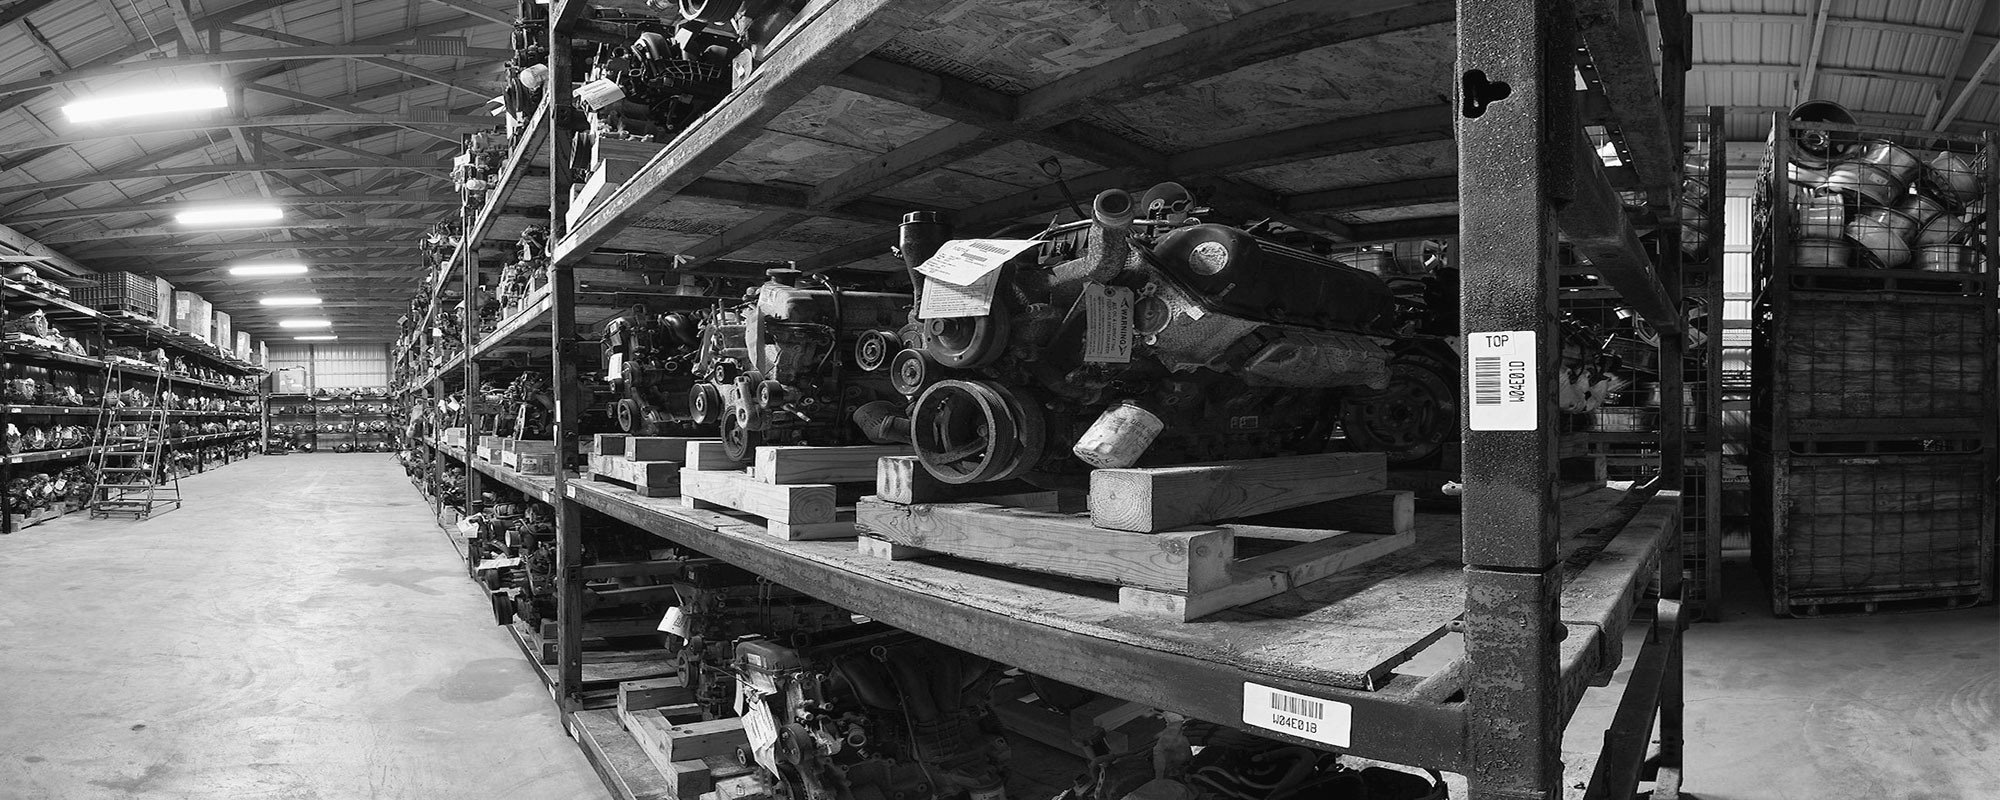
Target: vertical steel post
pixel 567 387
pixel 1516 144
pixel 468 257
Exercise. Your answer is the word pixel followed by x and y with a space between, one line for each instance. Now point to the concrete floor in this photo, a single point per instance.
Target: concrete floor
pixel 301 629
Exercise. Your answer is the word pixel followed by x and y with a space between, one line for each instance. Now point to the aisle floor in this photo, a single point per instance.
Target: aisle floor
pixel 301 629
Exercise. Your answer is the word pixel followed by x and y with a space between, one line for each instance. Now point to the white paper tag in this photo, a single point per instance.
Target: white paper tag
pixel 963 261
pixel 1324 721
pixel 943 300
pixel 675 622
pixel 762 732
pixel 1501 380
pixel 1107 312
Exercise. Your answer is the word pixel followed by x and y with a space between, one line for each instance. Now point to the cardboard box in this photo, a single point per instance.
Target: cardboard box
pixel 535 463
pixel 221 334
pixel 193 315
pixel 454 436
pixel 242 349
pixel 263 353
pixel 163 302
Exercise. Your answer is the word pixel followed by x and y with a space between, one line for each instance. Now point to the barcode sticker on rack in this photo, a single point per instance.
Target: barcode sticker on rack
pixel 1501 380
pixel 1323 721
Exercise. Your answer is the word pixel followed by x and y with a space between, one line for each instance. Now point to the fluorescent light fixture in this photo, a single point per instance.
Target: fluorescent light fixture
pixel 305 323
pixel 289 301
pixel 268 269
pixel 160 102
pixel 228 214
pixel 318 337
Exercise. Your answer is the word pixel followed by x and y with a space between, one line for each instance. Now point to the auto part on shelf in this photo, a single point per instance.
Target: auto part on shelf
pixel 787 367
pixel 649 361
pixel 1232 344
pixel 720 603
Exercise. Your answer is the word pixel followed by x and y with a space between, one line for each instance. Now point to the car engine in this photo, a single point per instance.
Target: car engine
pixel 871 712
pixel 649 361
pixel 1143 336
pixel 795 363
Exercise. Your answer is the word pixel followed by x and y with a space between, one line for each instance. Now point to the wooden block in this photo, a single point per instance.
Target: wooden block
pixel 1269 575
pixel 796 504
pixel 708 456
pixel 689 779
pixel 660 448
pixel 823 464
pixel 530 446
pixel 888 550
pixel 1584 468
pixel 609 628
pixel 1388 511
pixel 510 459
pixel 903 479
pixel 653 693
pixel 679 750
pixel 608 444
pixel 1163 498
pixel 535 463
pixel 1057 544
pixel 742 787
pixel 813 531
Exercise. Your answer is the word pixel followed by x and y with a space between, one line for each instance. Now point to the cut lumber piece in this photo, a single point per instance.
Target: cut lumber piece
pixel 796 504
pixel 660 448
pixel 647 478
pixel 708 456
pixel 632 569
pixel 888 550
pixel 680 751
pixel 1058 544
pixel 1388 511
pixel 608 444
pixel 1269 575
pixel 652 693
pixel 903 479
pixel 842 527
pixel 823 464
pixel 1162 498
pixel 1020 714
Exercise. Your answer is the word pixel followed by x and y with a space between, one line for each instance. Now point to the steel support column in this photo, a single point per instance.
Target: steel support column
pixel 567 387
pixel 467 258
pixel 1516 150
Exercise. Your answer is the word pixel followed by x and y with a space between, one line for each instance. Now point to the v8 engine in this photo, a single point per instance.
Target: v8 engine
pixel 1142 336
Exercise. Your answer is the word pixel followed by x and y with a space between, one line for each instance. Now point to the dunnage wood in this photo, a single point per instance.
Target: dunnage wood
pixel 1185 573
pixel 650 465
pixel 800 492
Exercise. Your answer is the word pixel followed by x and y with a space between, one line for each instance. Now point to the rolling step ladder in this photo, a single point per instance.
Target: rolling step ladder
pixel 127 467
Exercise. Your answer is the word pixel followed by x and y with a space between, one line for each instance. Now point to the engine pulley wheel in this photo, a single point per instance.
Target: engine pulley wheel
pixel 739 441
pixel 873 350
pixel 967 432
pixel 705 404
pixel 966 342
pixel 771 394
pixel 630 416
pixel 910 373
pixel 1412 418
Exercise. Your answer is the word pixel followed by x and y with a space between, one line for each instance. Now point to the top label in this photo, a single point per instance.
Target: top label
pixel 1501 381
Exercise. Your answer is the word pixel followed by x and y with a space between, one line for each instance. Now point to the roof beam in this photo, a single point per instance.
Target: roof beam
pixel 1965 94
pixel 415 117
pixel 1810 66
pixel 184 22
pixel 258 247
pixel 1973 14
pixel 389 64
pixel 154 41
pixel 324 144
pixel 1834 22
pixel 21 9
pixel 335 105
pixel 1840 72
pixel 493 15
pixel 41 43
pixel 431 47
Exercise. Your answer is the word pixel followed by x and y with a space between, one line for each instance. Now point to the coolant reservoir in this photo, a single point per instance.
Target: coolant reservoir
pixel 1119 436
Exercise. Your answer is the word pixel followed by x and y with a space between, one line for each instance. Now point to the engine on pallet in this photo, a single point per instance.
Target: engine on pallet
pixel 649 361
pixel 1146 336
pixel 796 362
pixel 871 712
pixel 652 79
pixel 720 603
pixel 528 272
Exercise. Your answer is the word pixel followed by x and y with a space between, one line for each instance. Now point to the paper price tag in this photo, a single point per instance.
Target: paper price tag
pixel 762 731
pixel 943 300
pixel 675 622
pixel 1501 381
pixel 1324 721
pixel 1107 312
pixel 962 261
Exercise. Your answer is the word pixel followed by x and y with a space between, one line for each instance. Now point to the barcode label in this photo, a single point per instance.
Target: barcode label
pixel 1501 381
pixel 1324 721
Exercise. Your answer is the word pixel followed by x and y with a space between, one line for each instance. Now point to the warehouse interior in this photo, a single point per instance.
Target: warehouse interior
pixel 938 399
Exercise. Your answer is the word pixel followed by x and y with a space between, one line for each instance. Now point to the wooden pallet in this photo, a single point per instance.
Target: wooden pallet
pixel 651 465
pixel 1122 724
pixel 1184 573
pixel 690 753
pixel 796 490
pixel 1884 603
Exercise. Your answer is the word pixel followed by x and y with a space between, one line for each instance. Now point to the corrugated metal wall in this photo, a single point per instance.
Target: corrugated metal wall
pixel 330 366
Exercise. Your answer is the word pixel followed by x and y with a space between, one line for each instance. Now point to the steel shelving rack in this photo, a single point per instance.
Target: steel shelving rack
pixel 101 331
pixel 1539 616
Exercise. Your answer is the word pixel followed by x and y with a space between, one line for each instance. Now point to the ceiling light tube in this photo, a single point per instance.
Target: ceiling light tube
pixel 321 337
pixel 305 323
pixel 268 269
pixel 133 105
pixel 228 214
pixel 289 301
